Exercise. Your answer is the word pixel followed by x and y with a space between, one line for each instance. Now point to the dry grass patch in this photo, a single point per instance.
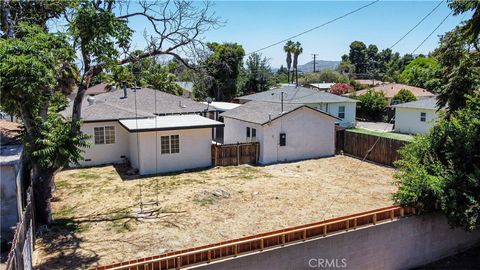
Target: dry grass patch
pixel 96 222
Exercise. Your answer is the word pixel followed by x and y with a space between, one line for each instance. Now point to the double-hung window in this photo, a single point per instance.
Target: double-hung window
pixel 104 135
pixel 423 117
pixel 254 134
pixel 170 144
pixel 341 112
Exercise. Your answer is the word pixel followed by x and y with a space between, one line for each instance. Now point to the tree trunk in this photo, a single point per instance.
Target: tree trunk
pixel 288 76
pixel 42 181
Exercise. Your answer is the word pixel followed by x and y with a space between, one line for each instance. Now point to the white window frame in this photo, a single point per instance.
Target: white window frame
pixel 104 135
pixel 341 112
pixel 174 144
pixel 164 145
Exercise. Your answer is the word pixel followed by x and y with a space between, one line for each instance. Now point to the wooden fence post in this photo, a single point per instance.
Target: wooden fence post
pixel 238 154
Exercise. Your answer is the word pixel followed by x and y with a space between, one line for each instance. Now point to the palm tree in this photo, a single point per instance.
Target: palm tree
pixel 297 50
pixel 288 48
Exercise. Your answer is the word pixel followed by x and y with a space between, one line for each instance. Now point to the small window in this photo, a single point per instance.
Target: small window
pixel 99 135
pixel 341 112
pixel 254 133
pixel 248 132
pixel 283 139
pixel 423 117
pixel 165 144
pixel 110 135
pixel 175 144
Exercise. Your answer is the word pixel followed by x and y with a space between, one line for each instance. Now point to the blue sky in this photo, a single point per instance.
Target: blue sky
pixel 256 24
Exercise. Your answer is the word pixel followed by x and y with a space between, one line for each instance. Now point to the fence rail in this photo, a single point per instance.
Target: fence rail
pixel 20 255
pixel 235 154
pixel 385 151
pixel 260 242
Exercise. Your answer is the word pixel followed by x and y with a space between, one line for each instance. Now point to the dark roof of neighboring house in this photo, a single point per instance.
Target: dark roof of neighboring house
pixel 9 132
pixel 296 95
pixel 186 86
pixel 261 112
pixel 428 103
pixel 112 105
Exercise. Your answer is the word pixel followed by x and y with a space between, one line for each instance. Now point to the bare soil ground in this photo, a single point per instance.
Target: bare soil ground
pixel 96 220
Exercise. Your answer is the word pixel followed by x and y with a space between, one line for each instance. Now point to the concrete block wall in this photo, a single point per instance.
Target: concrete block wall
pixel 401 244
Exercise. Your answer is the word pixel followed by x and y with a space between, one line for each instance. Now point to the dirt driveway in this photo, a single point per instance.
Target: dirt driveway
pixel 96 219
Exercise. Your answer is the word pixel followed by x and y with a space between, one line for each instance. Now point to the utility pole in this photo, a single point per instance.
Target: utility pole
pixel 314 61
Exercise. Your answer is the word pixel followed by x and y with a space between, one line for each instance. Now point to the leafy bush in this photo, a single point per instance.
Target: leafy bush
pixel 422 72
pixel 404 95
pixel 340 88
pixel 443 168
pixel 372 105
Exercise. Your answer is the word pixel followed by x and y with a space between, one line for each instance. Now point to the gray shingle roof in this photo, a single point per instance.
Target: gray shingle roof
pixel 261 112
pixel 296 95
pixel 112 105
pixel 428 103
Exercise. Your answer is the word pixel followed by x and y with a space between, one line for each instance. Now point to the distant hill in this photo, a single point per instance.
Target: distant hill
pixel 319 65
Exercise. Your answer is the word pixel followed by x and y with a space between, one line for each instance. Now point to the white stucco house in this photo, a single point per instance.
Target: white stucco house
pixel 164 133
pixel 298 132
pixel 341 107
pixel 416 117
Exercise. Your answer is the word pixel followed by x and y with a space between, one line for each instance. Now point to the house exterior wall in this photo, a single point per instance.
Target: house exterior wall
pixel 309 134
pixel 332 108
pixel 235 131
pixel 99 154
pixel 407 120
pixel 195 151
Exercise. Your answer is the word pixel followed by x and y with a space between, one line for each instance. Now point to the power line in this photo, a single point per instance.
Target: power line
pixel 423 19
pixel 431 33
pixel 316 27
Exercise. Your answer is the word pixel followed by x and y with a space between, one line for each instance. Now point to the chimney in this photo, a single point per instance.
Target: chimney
pixel 91 100
pixel 124 87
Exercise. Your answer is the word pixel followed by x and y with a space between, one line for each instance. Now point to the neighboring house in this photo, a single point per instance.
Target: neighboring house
pixel 416 117
pixel 98 89
pixel 125 127
pixel 299 132
pixel 371 82
pixel 220 107
pixel 391 89
pixel 187 88
pixel 342 107
pixel 11 184
pixel 321 86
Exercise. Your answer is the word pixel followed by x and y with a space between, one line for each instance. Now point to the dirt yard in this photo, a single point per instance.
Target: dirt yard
pixel 96 220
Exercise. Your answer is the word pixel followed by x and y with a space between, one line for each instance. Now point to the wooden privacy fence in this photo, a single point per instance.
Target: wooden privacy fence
pixel 235 154
pixel 20 255
pixel 260 242
pixel 385 151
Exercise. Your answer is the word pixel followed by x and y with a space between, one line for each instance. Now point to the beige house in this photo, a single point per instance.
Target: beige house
pixel 391 89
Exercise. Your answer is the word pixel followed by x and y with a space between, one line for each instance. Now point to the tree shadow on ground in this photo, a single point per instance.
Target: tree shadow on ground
pixel 62 240
pixel 123 169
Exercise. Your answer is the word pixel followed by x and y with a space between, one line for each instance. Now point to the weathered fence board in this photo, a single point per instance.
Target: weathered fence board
pixel 384 151
pixel 20 255
pixel 235 154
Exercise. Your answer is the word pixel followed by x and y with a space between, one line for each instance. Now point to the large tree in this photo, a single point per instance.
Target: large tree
pixel 422 72
pixel 101 34
pixel 358 56
pixel 220 70
pixel 288 48
pixel 297 50
pixel 258 73
pixel 442 169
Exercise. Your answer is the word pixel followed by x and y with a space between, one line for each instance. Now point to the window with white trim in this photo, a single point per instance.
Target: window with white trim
pixel 423 117
pixel 254 134
pixel 170 144
pixel 248 132
pixel 175 144
pixel 104 135
pixel 341 112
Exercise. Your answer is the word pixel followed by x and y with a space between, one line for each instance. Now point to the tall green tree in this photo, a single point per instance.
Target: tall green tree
pixel 404 96
pixel 358 56
pixel 371 105
pixel 37 73
pixel 100 32
pixel 220 72
pixel 258 74
pixel 297 50
pixel 422 72
pixel 288 48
